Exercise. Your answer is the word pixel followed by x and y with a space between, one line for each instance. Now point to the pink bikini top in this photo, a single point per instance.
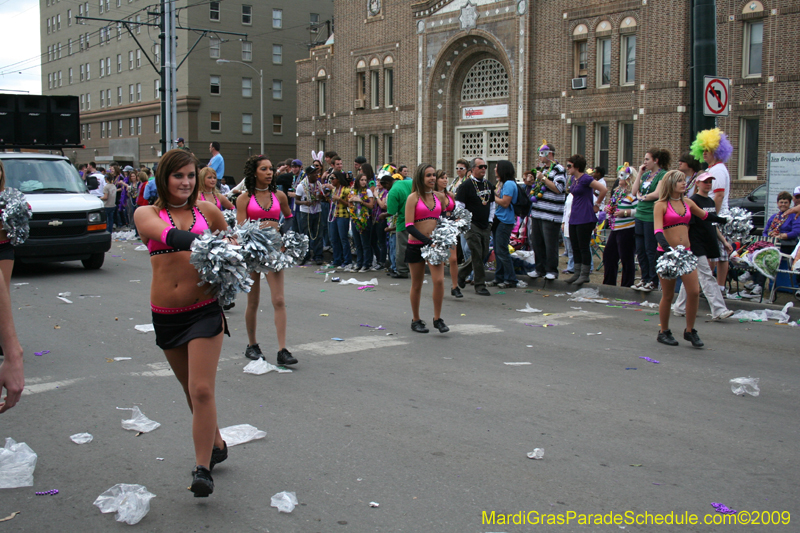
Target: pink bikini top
pixel 216 200
pixel 256 212
pixel 423 212
pixel 672 218
pixel 199 225
pixel 450 205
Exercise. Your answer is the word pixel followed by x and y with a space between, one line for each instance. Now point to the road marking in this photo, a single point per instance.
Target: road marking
pixel 474 329
pixel 561 319
pixel 350 345
pixel 51 385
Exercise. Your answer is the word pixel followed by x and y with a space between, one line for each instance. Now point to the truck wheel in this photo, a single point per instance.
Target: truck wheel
pixel 94 262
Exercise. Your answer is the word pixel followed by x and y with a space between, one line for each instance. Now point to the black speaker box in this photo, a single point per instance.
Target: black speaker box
pixel 32 119
pixel 8 112
pixel 65 127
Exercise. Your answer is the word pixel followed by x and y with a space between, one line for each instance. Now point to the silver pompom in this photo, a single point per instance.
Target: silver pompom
pixel 230 217
pixel 261 247
pixel 463 219
pixel 676 263
pixel 740 224
pixel 16 214
pixel 443 237
pixel 220 264
pixel 295 246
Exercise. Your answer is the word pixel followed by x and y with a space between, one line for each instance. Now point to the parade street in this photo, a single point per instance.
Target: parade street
pixel 434 428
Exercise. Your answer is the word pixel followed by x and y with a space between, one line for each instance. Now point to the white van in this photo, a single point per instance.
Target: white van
pixel 68 223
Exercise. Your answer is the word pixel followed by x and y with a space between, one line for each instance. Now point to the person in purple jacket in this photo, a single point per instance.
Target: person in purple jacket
pixel 583 216
pixel 783 225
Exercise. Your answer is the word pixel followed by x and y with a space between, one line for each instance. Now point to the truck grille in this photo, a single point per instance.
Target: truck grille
pixel 46 225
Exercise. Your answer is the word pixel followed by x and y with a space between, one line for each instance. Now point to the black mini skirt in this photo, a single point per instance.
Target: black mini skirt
pixel 414 253
pixel 6 251
pixel 176 329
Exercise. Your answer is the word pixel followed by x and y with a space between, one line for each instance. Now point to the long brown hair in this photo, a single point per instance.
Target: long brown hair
pixel 170 162
pixel 418 185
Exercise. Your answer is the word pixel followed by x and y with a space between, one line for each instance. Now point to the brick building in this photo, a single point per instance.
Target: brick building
pixel 120 91
pixel 436 80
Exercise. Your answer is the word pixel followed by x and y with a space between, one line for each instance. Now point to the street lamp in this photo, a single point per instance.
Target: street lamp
pixel 261 91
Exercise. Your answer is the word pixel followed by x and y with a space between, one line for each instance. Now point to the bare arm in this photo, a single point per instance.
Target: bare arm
pixel 150 225
pixel 411 202
pixel 502 201
pixel 241 208
pixel 226 204
pixel 600 187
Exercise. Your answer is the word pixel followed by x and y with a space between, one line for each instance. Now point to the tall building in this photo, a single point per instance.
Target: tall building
pixel 437 80
pixel 119 89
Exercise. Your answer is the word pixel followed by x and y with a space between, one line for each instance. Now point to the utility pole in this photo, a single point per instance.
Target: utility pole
pixel 168 69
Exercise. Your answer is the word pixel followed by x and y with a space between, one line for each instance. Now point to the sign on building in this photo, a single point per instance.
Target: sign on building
pixel 716 96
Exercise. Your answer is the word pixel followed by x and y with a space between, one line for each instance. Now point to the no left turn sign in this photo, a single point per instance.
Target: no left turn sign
pixel 716 93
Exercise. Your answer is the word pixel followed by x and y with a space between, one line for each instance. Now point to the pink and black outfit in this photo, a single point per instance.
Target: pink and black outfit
pixel 416 240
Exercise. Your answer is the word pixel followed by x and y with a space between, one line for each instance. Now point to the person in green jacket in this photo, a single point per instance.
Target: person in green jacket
pixel 646 188
pixel 396 206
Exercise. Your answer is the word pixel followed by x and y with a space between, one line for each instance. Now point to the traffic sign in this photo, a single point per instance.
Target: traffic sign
pixel 716 96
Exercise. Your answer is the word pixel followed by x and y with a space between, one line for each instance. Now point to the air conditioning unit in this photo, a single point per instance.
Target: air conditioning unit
pixel 359 104
pixel 578 83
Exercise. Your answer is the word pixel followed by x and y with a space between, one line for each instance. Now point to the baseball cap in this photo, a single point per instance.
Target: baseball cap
pixel 796 191
pixel 311 170
pixel 703 176
pixel 179 140
pixel 361 160
pixel 297 163
pixel 127 169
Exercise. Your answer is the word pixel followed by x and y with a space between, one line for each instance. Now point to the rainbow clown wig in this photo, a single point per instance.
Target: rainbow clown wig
pixel 545 149
pixel 714 141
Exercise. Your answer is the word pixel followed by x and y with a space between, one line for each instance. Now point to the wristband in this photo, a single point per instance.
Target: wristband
pixel 164 234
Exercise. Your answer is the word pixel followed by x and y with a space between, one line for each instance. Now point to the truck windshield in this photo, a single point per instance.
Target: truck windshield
pixel 43 176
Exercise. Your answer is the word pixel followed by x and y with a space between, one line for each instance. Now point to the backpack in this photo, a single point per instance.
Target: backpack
pixel 522 207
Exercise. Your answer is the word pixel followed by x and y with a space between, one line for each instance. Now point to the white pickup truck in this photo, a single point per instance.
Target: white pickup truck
pixel 68 223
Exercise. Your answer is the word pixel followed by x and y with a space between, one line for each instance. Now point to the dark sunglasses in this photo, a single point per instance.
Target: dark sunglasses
pixel 797 196
pixel 569 165
pixel 482 166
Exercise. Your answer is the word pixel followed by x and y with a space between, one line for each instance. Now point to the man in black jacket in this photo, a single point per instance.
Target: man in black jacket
pixel 476 196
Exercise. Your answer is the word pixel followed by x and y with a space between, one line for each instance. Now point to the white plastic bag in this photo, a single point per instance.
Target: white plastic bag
pixel 17 463
pixel 138 422
pixel 81 438
pixel 284 501
pixel 233 435
pixel 587 295
pixel 742 386
pixel 529 309
pixel 537 453
pixel 130 502
pixel 260 366
pixel 354 281
pixel 765 315
pixel 144 328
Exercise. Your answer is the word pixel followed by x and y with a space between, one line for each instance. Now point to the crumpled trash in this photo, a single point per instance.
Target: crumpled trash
pixel 130 502
pixel 284 501
pixel 765 315
pixel 81 438
pixel 123 235
pixel 17 463
pixel 374 504
pixel 587 295
pixel 537 453
pixel 234 435
pixel 260 366
pixel 144 328
pixel 354 281
pixel 529 309
pixel 138 422
pixel 742 386
pixel 141 248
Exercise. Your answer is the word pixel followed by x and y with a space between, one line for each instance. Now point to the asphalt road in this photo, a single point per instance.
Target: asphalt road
pixel 435 428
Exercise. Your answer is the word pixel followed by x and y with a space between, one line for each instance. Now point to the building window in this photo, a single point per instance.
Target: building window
pixel 313 18
pixel 130 94
pixel 247 15
pixel 388 147
pixel 247 123
pixel 80 41
pixel 69 17
pixel 108 66
pixel 320 145
pixel 601 141
pixel 83 102
pixel 277 18
pixel 119 95
pixel 277 54
pixel 119 63
pixel 361 86
pixel 216 121
pixel 138 92
pixel 88 72
pixel 102 68
pixel 48 26
pixel 277 89
pixel 102 99
pixel 374 154
pixel 130 60
pixel 119 31
pixel 131 127
pixel 138 58
pixel 388 87
pixel 89 131
pixel 69 75
pixel 215 84
pixel 83 72
pixel 321 103
pixel 49 81
pixel 83 131
pixel 213 48
pixel 101 7
pixel 374 90
pixel 748 153
pixel 628 60
pixel 277 124
pixel 58 22
pixel 108 101
pixel 625 143
pixel 247 51
pixel 88 101
pixel 138 125
pixel 102 129
pixel 753 42
pixel 247 87
pixel 361 143
pixel 157 89
pixel 59 78
pixel 157 123
pixel 213 11
pixel 603 63
pixel 109 129
pixel 488 78
pixel 69 47
pixel 119 128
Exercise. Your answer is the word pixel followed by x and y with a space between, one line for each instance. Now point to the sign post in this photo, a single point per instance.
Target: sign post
pixel 716 96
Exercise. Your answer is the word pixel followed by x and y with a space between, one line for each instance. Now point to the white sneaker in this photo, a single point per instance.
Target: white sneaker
pixel 724 292
pixel 637 286
pixel 725 314
pixel 550 275
pixel 647 287
pixel 533 274
pixel 744 278
pixel 364 269
pixel 756 290
pixel 749 295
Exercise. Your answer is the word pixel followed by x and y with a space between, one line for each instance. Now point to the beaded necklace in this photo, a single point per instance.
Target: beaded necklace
pixel 477 191
pixel 777 222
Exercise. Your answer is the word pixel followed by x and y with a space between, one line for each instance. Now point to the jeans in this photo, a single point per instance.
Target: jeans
pixel 505 268
pixel 568 248
pixel 392 246
pixel 311 226
pixel 465 247
pixel 110 218
pixel 363 247
pixel 378 241
pixel 478 243
pixel 621 246
pixel 646 245
pixel 326 209
pixel 401 237
pixel 544 242
pixel 340 241
pixel 581 237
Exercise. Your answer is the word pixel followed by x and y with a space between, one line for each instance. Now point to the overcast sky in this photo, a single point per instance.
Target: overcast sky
pixel 20 48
